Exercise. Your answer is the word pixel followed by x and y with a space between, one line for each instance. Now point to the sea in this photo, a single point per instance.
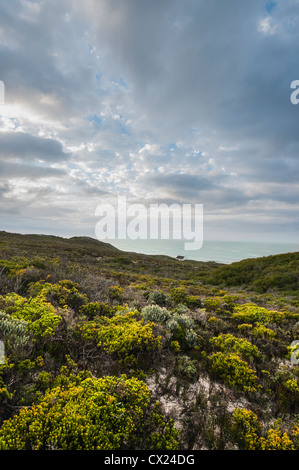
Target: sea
pixel 225 252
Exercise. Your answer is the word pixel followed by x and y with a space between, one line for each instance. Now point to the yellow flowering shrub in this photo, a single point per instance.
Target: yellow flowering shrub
pixel 64 293
pixel 231 344
pixel 252 313
pixel 125 335
pixel 292 386
pixel 115 293
pixel 212 304
pixel 40 315
pixel 276 440
pixel 247 431
pixel 295 434
pixel 234 371
pixel 261 331
pixel 94 414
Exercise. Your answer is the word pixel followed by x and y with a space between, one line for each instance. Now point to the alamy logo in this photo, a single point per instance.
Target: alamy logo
pixel 158 221
pixel 295 352
pixel 295 94
pixel 2 92
pixel 2 353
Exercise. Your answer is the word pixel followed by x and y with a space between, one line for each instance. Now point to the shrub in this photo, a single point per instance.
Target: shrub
pixel 287 390
pixel 14 332
pixel 193 301
pixel 64 293
pixel 232 344
pixel 116 293
pixel 92 309
pixel 246 429
pixel 292 386
pixel 234 371
pixel 175 346
pixel 295 434
pixel 212 304
pixel 293 351
pixel 159 297
pixel 191 338
pixel 178 295
pixel 184 321
pixel 94 414
pixel 41 317
pixel 125 336
pixel 261 331
pixel 181 309
pixel 172 325
pixel 276 440
pixel 245 327
pixel 217 324
pixel 251 313
pixel 155 313
pixel 187 368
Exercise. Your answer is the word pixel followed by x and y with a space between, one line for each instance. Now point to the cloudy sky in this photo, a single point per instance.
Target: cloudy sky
pixel 175 101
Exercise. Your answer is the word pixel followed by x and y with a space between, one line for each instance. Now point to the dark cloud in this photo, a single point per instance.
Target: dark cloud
pixel 181 181
pixel 31 172
pixel 27 147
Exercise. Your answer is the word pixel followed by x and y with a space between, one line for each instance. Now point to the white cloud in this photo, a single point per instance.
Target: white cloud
pixel 267 26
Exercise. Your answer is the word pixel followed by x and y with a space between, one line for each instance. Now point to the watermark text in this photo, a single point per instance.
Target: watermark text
pixel 158 221
pixel 295 93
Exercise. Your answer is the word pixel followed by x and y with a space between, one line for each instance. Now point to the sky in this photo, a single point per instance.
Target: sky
pixel 161 101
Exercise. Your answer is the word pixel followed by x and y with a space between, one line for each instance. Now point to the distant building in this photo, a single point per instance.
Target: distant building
pixel 180 257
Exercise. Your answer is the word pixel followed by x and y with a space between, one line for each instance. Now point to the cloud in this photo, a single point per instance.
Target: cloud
pixel 26 147
pixel 177 101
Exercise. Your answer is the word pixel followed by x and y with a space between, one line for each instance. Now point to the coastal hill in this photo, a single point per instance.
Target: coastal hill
pixel 106 349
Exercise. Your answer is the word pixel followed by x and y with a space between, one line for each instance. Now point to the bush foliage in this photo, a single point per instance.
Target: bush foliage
pixel 109 350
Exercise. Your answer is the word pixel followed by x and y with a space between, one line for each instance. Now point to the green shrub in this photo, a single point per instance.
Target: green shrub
pixel 191 338
pixel 231 344
pixel 187 368
pixel 248 433
pixel 181 309
pixel 276 440
pixel 178 294
pixel 41 317
pixel 64 293
pixel 92 309
pixel 14 333
pixel 175 346
pixel 261 331
pixel 184 321
pixel 212 304
pixel 159 297
pixel 217 324
pixel 193 301
pixel 125 336
pixel 246 429
pixel 116 293
pixel 155 313
pixel 251 313
pixel 234 371
pixel 95 414
pixel 286 387
pixel 172 325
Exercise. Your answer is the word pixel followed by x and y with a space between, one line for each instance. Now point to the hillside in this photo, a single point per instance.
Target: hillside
pixel 106 349
pixel 269 273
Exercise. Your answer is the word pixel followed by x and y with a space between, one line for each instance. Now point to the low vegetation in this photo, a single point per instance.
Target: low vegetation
pixel 112 350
